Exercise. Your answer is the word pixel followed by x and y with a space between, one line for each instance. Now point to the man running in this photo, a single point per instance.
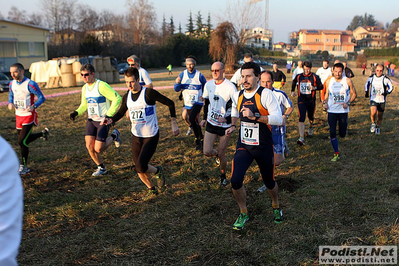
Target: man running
pixel 278 77
pixel 278 132
pixel 191 82
pixel 96 98
pixel 257 109
pixel 236 78
pixel 298 70
pixel 139 102
pixel 340 94
pixel 145 80
pixel 377 87
pixel 307 83
pixel 22 94
pixel 217 113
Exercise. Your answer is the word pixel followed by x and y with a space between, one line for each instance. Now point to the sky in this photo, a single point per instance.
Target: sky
pixel 285 16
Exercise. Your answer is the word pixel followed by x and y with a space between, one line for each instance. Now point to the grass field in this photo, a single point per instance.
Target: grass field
pixel 72 218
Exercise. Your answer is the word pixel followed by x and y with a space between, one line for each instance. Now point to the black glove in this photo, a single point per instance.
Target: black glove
pixel 181 96
pixel 367 94
pixel 73 115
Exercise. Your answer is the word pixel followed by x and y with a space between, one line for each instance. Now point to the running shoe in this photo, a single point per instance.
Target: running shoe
pixel 217 160
pixel 262 189
pixel 151 193
pixel 188 132
pixel 377 131
pixel 372 128
pixel 286 150
pixel 23 169
pixel 310 131
pixel 239 224
pixel 161 177
pixel 100 171
pixel 199 144
pixel 335 158
pixel 301 142
pixel 117 140
pixel 46 134
pixel 278 215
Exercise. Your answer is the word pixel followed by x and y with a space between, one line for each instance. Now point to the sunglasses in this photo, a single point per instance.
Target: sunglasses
pixel 85 75
pixel 215 70
pixel 132 65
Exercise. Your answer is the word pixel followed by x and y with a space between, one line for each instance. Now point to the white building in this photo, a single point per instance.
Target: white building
pixel 259 38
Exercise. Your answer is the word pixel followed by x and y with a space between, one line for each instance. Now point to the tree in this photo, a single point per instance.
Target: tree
pixel 180 28
pixel 16 15
pixel 208 25
pixel 164 28
pixel 199 24
pixel 190 25
pixel 171 26
pixel 142 21
pixel 224 44
pixel 366 20
pixel 87 17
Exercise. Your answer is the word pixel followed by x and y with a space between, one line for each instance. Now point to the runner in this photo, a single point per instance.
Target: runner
pixel 278 132
pixel 257 109
pixel 377 87
pixel 96 97
pixel 21 96
pixel 278 77
pixel 191 82
pixel 139 102
pixel 236 79
pixel 145 80
pixel 307 84
pixel 340 94
pixel 217 114
pixel 298 70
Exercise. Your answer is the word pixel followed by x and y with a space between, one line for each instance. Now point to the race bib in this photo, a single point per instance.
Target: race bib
pixel 20 104
pixel 378 90
pixel 214 115
pixel 250 133
pixel 305 87
pixel 93 110
pixel 190 97
pixel 137 115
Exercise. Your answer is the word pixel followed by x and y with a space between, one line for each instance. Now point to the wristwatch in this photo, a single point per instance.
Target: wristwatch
pixel 286 116
pixel 257 116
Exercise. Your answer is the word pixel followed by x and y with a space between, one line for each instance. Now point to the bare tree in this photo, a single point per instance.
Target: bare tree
pixel 142 19
pixel 87 17
pixel 16 15
pixel 52 12
pixel 224 44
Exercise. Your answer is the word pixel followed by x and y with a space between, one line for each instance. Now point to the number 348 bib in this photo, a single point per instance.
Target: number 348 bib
pixel 250 133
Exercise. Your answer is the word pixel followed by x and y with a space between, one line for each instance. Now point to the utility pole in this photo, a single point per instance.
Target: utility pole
pixel 266 11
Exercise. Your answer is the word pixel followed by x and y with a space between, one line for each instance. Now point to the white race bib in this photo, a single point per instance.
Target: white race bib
pixel 93 109
pixel 215 114
pixel 190 97
pixel 304 87
pixel 137 115
pixel 21 103
pixel 250 133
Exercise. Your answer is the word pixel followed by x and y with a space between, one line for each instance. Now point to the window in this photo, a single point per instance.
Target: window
pixel 8 49
pixel 31 49
pixel 317 40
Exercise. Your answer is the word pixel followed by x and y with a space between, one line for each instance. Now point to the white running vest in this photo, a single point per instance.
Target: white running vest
pixel 377 90
pixel 97 104
pixel 338 94
pixel 192 89
pixel 142 116
pixel 22 97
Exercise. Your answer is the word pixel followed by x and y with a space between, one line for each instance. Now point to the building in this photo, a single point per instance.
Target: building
pixel 259 38
pixel 335 42
pixel 372 37
pixel 23 43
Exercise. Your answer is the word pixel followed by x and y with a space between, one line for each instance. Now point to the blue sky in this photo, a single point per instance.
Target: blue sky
pixel 285 16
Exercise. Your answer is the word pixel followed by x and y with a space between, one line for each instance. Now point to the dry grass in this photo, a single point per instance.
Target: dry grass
pixel 72 218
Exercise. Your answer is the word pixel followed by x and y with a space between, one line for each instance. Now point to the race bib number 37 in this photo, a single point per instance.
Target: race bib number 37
pixel 249 133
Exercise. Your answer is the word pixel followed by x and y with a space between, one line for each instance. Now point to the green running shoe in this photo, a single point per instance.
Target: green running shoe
pixel 239 224
pixel 161 177
pixel 151 193
pixel 335 158
pixel 278 215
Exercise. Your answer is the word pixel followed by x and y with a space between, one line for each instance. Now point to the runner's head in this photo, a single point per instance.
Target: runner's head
pixel 266 79
pixel 17 71
pixel 217 70
pixel 134 61
pixel 307 67
pixel 325 63
pixel 378 70
pixel 132 78
pixel 191 62
pixel 250 73
pixel 337 70
pixel 87 72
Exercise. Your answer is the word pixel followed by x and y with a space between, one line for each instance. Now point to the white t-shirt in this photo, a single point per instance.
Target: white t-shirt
pixel 338 94
pixel 237 76
pixel 144 77
pixel 218 96
pixel 11 205
pixel 323 73
pixel 297 71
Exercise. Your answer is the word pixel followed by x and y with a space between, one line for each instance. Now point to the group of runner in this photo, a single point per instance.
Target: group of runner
pixel 258 108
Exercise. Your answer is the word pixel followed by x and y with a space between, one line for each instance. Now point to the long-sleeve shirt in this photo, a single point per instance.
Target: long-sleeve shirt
pixel 151 96
pixel 304 83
